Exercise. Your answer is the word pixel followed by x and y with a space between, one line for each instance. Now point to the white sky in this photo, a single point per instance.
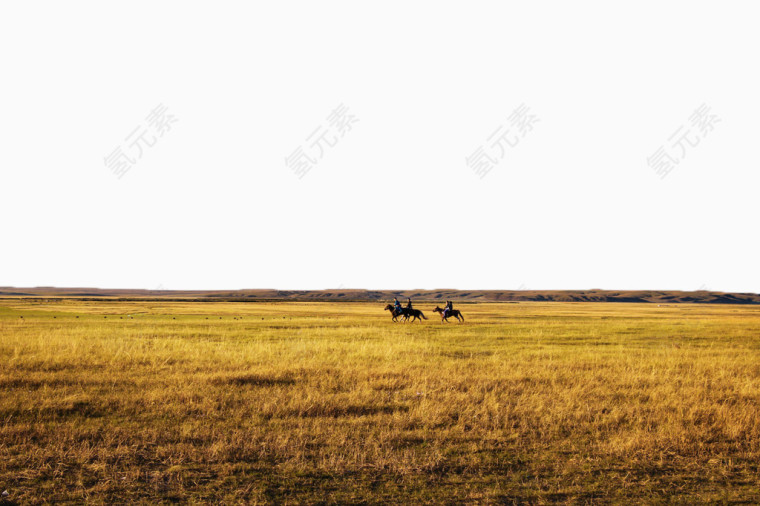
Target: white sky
pixel 212 204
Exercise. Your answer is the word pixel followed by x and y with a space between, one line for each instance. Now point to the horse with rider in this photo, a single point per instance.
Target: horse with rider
pixel 448 311
pixel 404 312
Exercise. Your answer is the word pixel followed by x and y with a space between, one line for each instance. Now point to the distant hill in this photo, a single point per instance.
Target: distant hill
pixel 651 296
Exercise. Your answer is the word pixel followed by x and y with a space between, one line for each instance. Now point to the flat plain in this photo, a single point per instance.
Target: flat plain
pixel 319 402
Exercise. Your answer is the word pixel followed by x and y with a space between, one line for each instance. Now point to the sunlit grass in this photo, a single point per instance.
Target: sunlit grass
pixel 309 402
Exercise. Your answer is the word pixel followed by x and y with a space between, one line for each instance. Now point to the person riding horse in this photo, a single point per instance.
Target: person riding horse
pixel 447 308
pixel 448 311
pixel 405 313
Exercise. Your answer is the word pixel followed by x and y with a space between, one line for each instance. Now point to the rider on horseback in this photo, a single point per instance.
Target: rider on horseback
pixel 396 305
pixel 408 303
pixel 447 308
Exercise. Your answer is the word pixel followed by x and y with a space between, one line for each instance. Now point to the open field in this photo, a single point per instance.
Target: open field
pixel 307 402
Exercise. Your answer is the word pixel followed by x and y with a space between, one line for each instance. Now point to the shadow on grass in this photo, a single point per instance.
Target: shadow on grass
pixel 36 384
pixel 84 409
pixel 351 410
pixel 255 380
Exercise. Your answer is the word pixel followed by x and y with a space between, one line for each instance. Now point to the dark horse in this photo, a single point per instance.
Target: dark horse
pixel 405 313
pixel 394 314
pixel 454 312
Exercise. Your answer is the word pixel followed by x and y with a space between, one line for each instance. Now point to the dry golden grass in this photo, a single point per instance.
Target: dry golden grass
pixel 320 402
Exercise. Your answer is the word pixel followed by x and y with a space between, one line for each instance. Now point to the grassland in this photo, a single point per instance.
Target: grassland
pixel 321 402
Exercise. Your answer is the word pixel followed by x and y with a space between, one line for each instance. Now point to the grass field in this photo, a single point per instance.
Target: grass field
pixel 321 402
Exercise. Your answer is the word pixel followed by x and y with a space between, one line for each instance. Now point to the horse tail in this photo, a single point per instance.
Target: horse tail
pixel 461 316
pixel 423 315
